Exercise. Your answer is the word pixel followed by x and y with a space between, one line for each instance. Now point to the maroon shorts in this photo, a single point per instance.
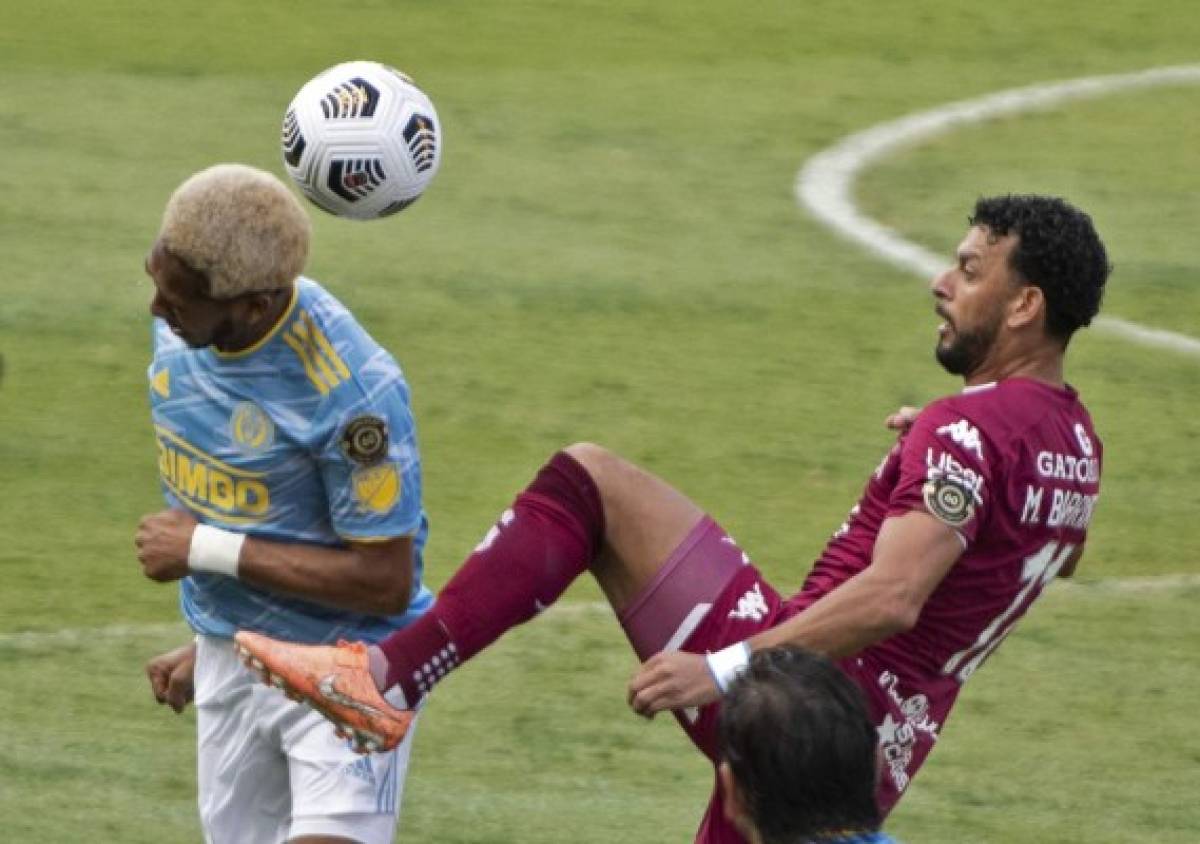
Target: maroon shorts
pixel 708 596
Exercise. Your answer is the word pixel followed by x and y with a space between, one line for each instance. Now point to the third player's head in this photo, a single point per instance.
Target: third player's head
pixel 1030 271
pixel 232 242
pixel 797 750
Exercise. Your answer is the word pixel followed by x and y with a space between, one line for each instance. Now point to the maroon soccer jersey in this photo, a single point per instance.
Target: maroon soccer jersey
pixel 1014 469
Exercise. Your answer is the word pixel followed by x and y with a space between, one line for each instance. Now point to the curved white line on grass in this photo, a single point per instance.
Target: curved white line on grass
pixel 562 611
pixel 825 184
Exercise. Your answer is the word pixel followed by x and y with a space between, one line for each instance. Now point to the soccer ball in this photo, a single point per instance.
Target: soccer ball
pixel 361 140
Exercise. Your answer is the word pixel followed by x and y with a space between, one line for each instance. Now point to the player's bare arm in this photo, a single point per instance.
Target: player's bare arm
pixel 369 577
pixel 912 555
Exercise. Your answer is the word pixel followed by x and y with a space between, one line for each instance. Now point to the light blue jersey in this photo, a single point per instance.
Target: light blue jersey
pixel 305 437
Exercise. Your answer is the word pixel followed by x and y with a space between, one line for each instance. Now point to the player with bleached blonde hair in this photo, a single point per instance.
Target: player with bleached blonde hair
pixel 287 456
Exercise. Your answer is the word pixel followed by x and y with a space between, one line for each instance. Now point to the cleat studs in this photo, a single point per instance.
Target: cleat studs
pixel 256 663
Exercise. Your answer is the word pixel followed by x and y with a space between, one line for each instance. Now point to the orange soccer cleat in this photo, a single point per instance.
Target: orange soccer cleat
pixel 335 681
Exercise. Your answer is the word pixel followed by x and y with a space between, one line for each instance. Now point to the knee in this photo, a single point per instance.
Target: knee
pixel 591 456
pixel 596 460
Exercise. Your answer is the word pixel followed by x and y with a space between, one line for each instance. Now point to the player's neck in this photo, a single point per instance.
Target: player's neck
pixel 1045 365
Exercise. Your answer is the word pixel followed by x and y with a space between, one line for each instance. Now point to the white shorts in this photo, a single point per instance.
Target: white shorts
pixel 271 769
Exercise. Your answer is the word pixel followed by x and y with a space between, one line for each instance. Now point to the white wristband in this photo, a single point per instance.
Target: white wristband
pixel 215 550
pixel 727 664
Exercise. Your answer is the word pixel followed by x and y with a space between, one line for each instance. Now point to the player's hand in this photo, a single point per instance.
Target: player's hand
pixel 671 680
pixel 163 541
pixel 902 419
pixel 171 676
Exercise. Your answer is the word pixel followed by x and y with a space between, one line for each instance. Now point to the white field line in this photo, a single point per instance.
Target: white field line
pixel 562 611
pixel 1134 585
pixel 75 636
pixel 72 636
pixel 825 184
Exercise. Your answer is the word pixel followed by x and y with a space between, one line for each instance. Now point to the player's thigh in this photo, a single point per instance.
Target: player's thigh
pixel 337 793
pixel 646 519
pixel 243 789
pixel 745 606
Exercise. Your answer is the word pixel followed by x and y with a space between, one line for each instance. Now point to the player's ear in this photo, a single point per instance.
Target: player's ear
pixel 258 305
pixel 1027 306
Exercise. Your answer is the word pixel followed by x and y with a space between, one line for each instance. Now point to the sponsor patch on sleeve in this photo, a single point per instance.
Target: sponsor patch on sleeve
pixel 949 499
pixel 365 440
pixel 377 488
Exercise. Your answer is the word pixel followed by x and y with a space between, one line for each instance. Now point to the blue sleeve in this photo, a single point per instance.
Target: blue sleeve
pixel 371 468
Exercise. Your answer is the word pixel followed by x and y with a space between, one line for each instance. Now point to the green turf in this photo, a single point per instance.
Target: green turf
pixel 611 252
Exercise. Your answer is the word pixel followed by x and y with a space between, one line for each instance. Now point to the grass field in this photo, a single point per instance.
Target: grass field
pixel 611 252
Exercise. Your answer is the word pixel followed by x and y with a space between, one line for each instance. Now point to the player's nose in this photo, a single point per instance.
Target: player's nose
pixel 939 285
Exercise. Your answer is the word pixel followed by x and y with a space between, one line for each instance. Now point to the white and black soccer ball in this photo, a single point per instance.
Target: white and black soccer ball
pixel 361 140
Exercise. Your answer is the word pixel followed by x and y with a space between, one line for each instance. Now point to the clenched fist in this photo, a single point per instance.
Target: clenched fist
pixel 170 676
pixel 163 540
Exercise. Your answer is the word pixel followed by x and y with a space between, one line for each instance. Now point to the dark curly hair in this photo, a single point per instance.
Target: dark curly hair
pixel 795 733
pixel 1057 250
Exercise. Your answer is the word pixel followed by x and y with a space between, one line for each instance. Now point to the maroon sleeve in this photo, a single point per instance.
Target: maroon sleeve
pixel 944 471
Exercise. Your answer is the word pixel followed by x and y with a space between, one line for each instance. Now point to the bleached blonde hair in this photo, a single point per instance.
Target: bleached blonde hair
pixel 239 226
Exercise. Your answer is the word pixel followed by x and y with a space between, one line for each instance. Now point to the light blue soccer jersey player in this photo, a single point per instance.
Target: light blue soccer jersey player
pixel 288 458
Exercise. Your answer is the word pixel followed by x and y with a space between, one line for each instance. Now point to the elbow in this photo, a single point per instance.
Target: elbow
pixel 390 599
pixel 899 615
pixel 385 578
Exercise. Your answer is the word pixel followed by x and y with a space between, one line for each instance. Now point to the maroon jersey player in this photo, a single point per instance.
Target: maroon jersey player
pixel 980 503
pixel 992 464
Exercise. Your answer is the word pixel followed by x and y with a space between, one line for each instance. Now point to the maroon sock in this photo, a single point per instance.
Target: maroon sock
pixel 546 540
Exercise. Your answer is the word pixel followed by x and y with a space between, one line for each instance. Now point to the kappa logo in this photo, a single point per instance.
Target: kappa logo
pixel 752 605
pixel 965 434
pixel 506 519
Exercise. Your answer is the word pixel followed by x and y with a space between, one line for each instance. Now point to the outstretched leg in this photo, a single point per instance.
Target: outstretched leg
pixel 587 509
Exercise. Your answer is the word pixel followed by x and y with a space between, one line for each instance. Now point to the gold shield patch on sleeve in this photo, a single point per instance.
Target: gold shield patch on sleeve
pixel 377 488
